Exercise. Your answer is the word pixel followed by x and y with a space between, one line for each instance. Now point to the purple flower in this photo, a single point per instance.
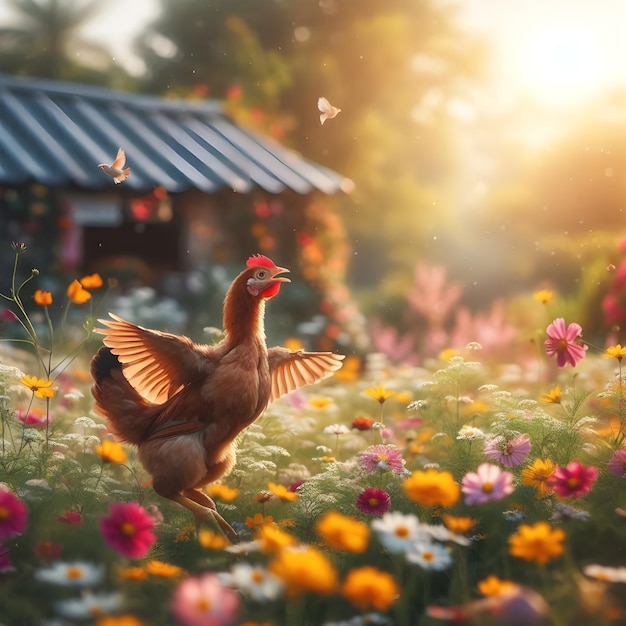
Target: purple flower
pixel 373 501
pixel 562 341
pixel 617 463
pixel 509 453
pixel 383 457
pixel 487 483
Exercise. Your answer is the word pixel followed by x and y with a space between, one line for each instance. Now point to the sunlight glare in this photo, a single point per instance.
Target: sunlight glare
pixel 560 63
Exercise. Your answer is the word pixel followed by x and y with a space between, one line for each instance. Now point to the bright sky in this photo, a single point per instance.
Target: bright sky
pixel 557 51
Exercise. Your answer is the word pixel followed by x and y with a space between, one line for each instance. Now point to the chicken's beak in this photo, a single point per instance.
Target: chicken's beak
pixel 280 279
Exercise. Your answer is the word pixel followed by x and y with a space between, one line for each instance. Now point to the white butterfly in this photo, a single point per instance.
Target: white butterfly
pixel 327 109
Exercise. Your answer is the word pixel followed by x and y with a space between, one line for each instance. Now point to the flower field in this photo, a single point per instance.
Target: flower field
pixel 463 490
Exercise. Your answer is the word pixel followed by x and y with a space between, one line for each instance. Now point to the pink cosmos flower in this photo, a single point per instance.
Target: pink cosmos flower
pixel 617 463
pixel 562 341
pixel 383 457
pixel 204 601
pixel 13 515
pixel 32 418
pixel 373 501
pixel 574 480
pixel 509 453
pixel 128 529
pixel 487 483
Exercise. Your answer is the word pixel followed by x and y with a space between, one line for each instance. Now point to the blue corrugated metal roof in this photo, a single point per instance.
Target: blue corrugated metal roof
pixel 56 133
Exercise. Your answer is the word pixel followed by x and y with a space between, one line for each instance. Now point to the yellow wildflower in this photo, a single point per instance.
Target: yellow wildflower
pixel 494 586
pixel 540 542
pixel 370 589
pixel 111 451
pixel 615 352
pixel 77 294
pixel 447 354
pixel 281 492
pixel 222 492
pixel 293 344
pixel 258 520
pixel 320 402
pixel 553 396
pixel 132 573
pixel 380 393
pixel 212 541
pixel 432 488
pixel 93 281
pixel 544 296
pixel 163 570
pixel 119 620
pixel 350 370
pixel 537 475
pixel 182 535
pixel 458 525
pixel 42 298
pixel 304 569
pixel 343 533
pixel 41 387
pixel 273 539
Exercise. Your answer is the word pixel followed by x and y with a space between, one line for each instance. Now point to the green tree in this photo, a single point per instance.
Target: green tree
pixel 45 41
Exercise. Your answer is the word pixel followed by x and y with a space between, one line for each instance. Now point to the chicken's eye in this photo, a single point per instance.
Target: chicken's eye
pixel 261 274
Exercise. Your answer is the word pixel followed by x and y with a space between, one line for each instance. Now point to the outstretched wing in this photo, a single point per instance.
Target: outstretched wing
pixel 290 370
pixel 120 160
pixel 156 364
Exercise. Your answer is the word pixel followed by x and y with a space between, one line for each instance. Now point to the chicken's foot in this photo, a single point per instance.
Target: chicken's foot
pixel 203 509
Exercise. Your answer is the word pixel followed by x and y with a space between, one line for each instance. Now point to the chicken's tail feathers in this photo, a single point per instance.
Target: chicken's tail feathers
pixel 128 413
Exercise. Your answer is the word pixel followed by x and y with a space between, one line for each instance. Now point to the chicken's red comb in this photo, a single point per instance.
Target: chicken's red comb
pixel 258 260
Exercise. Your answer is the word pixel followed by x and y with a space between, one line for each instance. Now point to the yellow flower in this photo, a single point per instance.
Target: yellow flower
pixel 41 387
pixel 379 393
pixel 537 475
pixel 42 298
pixel 183 534
pixel 77 294
pixel 447 354
pixel 553 396
pixel 119 620
pixel 163 570
pixel 615 352
pixel 212 541
pixel 432 488
pixel 544 296
pixel 273 539
pixel 111 451
pixel 93 281
pixel 458 525
pixel 132 573
pixel 222 492
pixel 494 586
pixel 404 397
pixel 305 569
pixel 343 533
pixel 281 492
pixel 370 589
pixel 293 344
pixel 319 402
pixel 540 542
pixel 350 370
pixel 258 520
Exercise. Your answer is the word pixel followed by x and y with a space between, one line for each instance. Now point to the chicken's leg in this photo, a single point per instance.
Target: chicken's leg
pixel 203 509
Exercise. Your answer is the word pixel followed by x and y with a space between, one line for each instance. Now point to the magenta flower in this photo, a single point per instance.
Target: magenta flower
pixel 383 457
pixel 509 453
pixel 13 515
pixel 71 517
pixel 573 481
pixel 128 529
pixel 373 501
pixel 36 420
pixel 204 601
pixel 487 483
pixel 617 463
pixel 562 341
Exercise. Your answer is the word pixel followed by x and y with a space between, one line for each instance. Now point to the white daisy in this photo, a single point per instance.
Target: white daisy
pixel 606 574
pixel 397 531
pixel 336 429
pixel 470 432
pixel 254 581
pixel 429 555
pixel 88 605
pixel 71 574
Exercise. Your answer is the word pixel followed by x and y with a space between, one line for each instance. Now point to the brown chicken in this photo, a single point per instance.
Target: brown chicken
pixel 183 404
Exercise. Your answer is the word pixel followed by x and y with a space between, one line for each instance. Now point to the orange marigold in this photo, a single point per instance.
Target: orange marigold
pixel 432 488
